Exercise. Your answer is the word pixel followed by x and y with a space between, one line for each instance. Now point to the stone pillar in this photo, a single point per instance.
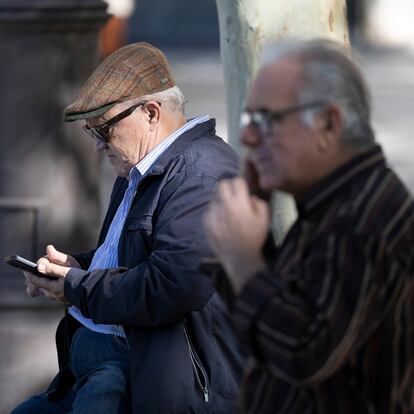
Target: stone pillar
pixel 48 170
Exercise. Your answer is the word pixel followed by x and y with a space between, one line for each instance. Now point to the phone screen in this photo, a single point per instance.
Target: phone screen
pixel 24 264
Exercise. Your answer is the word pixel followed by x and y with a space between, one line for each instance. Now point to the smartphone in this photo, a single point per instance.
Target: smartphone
pixel 24 264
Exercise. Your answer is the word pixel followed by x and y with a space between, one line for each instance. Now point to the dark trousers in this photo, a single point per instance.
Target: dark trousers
pixel 100 364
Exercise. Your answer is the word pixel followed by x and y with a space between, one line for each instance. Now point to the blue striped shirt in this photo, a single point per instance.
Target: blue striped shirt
pixel 106 256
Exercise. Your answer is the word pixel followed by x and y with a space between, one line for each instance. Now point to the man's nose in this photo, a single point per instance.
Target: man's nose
pixel 100 145
pixel 249 136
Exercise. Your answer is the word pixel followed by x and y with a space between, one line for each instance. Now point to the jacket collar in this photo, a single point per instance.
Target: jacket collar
pixel 340 179
pixel 180 144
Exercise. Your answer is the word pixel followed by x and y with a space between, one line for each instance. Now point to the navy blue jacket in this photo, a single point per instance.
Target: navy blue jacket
pixel 184 357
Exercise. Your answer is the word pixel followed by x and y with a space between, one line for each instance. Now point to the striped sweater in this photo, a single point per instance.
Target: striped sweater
pixel 330 325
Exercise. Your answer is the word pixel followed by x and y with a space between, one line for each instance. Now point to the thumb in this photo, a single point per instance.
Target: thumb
pixel 55 256
pixel 260 206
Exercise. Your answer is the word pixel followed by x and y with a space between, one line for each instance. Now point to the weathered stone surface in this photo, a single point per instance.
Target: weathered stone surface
pixel 48 171
pixel 49 176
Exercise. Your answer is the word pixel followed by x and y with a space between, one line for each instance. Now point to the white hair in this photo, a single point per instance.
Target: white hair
pixel 329 75
pixel 172 99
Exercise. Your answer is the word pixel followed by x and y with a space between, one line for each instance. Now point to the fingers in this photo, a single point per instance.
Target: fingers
pixel 51 288
pixel 31 289
pixel 55 256
pixel 259 206
pixel 236 224
pixel 44 260
pixel 234 194
pixel 228 209
pixel 212 222
pixel 233 207
pixel 52 269
pixel 228 189
pixel 38 282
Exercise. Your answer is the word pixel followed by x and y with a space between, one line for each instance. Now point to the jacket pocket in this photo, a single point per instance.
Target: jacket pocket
pixel 200 373
pixel 138 223
pixel 136 241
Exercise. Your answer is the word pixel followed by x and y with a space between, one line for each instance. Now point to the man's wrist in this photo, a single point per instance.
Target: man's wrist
pixel 243 270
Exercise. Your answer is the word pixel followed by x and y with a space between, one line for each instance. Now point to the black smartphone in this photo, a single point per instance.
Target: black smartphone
pixel 24 264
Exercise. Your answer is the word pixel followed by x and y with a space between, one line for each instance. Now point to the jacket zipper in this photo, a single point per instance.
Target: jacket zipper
pixel 198 368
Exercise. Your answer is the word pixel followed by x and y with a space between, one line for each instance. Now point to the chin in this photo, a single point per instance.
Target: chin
pixel 268 184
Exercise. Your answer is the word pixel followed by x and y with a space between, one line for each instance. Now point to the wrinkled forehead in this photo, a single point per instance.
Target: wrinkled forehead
pixel 276 85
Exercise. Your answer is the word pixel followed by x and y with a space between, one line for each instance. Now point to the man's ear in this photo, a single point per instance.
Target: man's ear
pixel 153 112
pixel 331 125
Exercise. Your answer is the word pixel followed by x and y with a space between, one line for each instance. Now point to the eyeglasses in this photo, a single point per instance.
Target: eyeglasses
pixel 264 120
pixel 101 132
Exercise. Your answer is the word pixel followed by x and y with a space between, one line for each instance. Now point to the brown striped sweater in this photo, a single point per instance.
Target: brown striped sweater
pixel 330 325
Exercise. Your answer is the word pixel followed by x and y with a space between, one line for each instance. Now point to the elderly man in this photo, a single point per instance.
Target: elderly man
pixel 328 316
pixel 142 323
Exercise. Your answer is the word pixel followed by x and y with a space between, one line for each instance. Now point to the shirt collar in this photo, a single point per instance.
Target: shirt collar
pixel 340 179
pixel 146 163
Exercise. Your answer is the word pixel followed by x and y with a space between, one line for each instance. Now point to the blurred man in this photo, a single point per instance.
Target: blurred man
pixel 328 316
pixel 142 322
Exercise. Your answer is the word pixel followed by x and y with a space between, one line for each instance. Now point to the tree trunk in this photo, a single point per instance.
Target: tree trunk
pixel 245 27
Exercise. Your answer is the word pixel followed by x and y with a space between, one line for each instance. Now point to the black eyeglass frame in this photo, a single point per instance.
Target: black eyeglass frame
pixel 100 132
pixel 263 118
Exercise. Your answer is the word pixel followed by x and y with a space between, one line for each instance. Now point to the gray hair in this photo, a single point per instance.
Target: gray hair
pixel 172 99
pixel 329 76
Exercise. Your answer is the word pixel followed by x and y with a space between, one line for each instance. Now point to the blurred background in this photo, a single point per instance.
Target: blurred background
pixel 54 189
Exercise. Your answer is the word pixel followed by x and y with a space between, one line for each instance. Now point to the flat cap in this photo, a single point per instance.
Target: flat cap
pixel 132 71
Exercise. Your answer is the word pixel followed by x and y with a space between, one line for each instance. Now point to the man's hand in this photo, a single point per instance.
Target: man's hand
pixel 55 263
pixel 59 258
pixel 52 289
pixel 236 225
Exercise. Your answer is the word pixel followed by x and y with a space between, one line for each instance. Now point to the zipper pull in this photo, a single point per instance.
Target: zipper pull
pixel 205 392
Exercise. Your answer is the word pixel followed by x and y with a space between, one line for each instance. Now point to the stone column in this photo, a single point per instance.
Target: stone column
pixel 48 170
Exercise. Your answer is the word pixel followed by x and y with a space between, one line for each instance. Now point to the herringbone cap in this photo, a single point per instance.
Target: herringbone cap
pixel 132 71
